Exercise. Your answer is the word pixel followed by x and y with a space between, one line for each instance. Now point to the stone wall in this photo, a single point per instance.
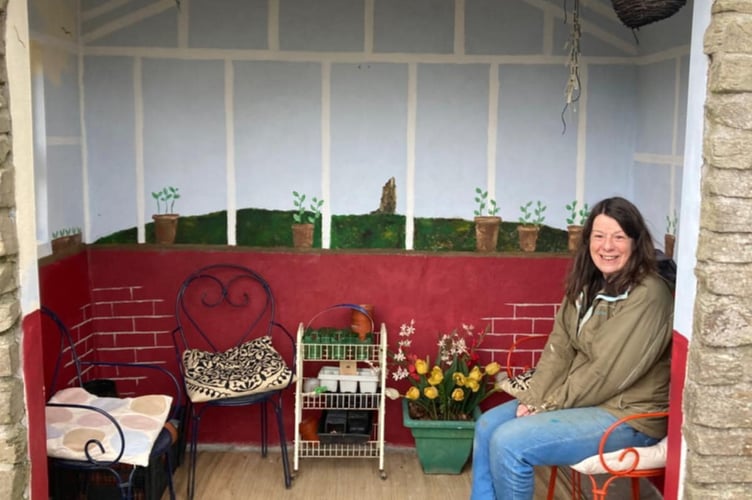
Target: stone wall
pixel 14 462
pixel 718 397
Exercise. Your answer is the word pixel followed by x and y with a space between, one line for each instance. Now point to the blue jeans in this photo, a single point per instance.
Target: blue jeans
pixel 506 448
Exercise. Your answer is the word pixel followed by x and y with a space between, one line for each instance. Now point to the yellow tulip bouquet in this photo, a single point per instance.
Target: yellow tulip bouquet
pixel 450 388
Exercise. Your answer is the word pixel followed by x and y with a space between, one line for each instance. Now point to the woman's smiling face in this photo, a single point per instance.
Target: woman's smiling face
pixel 610 247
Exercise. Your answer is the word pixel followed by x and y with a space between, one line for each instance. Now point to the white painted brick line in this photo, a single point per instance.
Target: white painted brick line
pixel 134 378
pixel 88 337
pixel 85 311
pixel 115 288
pixel 87 354
pixel 136 316
pixel 128 350
pixel 78 326
pixel 119 332
pixel 104 302
pixel 123 301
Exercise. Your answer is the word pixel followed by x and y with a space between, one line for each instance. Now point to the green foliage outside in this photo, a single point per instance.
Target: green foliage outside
pixel 272 228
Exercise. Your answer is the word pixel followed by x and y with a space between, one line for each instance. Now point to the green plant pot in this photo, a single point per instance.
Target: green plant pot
pixel 443 446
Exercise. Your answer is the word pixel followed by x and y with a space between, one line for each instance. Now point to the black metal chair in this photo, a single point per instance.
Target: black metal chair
pixel 119 474
pixel 226 339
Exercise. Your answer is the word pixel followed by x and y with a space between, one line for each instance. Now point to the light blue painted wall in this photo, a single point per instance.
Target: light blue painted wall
pixel 323 75
pixel 668 33
pixel 417 26
pixel 653 196
pixel 535 160
pixel 243 22
pixel 110 125
pixel 611 130
pixel 452 117
pixel 157 31
pixel 64 175
pixel 683 98
pixel 656 107
pixel 590 45
pixel 107 16
pixel 62 110
pixel 277 112
pixel 323 25
pixel 495 27
pixel 184 132
pixel 369 135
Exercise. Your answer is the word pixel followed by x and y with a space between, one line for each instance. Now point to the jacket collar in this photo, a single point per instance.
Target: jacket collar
pixel 589 313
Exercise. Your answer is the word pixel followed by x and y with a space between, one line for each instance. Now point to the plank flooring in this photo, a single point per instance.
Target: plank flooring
pixel 244 474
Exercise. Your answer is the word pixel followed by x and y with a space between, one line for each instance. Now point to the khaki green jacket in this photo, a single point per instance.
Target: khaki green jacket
pixel 618 357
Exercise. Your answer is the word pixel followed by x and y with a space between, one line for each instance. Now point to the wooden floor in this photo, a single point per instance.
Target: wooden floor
pixel 229 475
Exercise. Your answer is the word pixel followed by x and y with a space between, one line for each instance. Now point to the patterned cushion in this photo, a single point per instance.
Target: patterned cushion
pixel 516 384
pixel 69 429
pixel 651 457
pixel 250 368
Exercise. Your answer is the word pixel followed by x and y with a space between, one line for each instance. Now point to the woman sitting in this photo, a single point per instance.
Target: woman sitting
pixel 607 357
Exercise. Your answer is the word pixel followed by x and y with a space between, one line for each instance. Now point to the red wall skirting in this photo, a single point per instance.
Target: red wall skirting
pixel 680 350
pixel 35 399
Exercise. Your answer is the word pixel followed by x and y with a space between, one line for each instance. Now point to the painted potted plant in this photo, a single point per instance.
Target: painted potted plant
pixel 530 221
pixel 65 238
pixel 165 220
pixel 669 239
pixel 486 226
pixel 304 219
pixel 441 404
pixel 575 221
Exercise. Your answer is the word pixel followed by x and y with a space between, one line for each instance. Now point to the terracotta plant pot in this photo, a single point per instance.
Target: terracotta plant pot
pixel 65 242
pixel 361 323
pixel 528 237
pixel 309 429
pixel 302 235
pixel 165 228
pixel 669 241
pixel 574 234
pixel 487 232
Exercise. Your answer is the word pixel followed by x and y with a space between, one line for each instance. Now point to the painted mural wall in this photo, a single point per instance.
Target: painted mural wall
pixel 240 102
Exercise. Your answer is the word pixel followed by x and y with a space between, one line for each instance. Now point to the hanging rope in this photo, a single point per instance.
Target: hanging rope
pixel 573 88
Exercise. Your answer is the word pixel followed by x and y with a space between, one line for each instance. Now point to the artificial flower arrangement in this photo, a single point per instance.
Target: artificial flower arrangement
pixel 453 385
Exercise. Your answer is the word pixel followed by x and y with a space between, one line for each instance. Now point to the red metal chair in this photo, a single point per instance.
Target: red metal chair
pixel 633 463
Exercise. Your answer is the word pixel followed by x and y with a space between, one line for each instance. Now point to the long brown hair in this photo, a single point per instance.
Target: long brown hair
pixel 585 276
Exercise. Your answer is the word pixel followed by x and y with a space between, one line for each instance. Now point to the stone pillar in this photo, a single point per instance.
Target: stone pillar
pixel 718 393
pixel 14 461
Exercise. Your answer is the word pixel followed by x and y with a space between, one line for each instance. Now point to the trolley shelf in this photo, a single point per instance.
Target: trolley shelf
pixel 340 401
pixel 342 442
pixel 369 449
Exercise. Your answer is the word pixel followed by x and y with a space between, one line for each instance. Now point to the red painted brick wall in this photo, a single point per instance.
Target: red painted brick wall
pixel 120 303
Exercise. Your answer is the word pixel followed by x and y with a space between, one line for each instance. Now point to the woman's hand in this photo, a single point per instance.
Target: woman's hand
pixel 523 410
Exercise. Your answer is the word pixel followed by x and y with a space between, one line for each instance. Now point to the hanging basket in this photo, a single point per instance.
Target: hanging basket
pixel 636 13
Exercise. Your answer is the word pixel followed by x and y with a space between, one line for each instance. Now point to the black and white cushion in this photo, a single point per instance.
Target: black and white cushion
pixel 251 368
